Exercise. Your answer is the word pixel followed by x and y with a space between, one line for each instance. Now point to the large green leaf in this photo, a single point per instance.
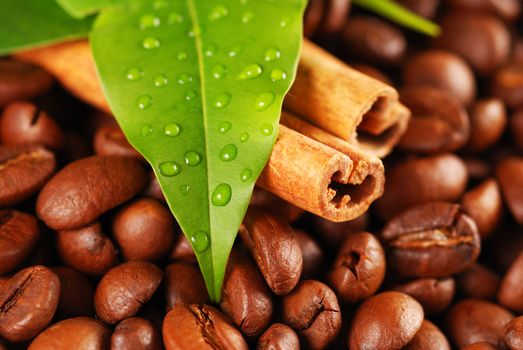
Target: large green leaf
pixel 197 87
pixel 82 8
pixel 31 23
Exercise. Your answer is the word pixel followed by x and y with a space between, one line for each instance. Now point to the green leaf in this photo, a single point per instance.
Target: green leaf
pixel 31 23
pixel 83 8
pixel 197 87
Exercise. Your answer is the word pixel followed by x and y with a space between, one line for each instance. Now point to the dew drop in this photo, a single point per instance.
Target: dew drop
pixel 200 241
pixel 184 189
pixel 183 79
pixel 172 129
pixel 160 80
pixel 222 101
pixel 210 50
pixel 272 54
pixel 218 12
pixel 228 153
pixel 266 129
pixel 149 21
pixel 147 129
pixel 174 18
pixel 192 158
pixel 159 4
pixel 264 101
pixel 224 127
pixel 252 71
pixel 284 21
pixel 235 51
pixel 169 169
pixel 191 33
pixel 134 74
pixel 218 71
pixel 247 17
pixel 244 137
pixel 191 95
pixel 181 56
pixel 144 101
pixel 277 75
pixel 151 43
pixel 245 175
pixel 221 195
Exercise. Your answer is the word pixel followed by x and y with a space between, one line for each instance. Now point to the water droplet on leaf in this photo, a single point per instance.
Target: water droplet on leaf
pixel 181 56
pixel 251 71
pixel 244 137
pixel 184 189
pixel 146 130
pixel 266 129
pixel 221 195
pixel 278 74
pixel 218 71
pixel 247 17
pixel 192 158
pixel 172 129
pixel 134 74
pixel 149 21
pixel 169 169
pixel 210 50
pixel 184 79
pixel 191 95
pixel 160 80
pixel 144 101
pixel 228 153
pixel 221 101
pixel 174 18
pixel 272 54
pixel 264 101
pixel 218 12
pixel 245 175
pixel 235 51
pixel 284 21
pixel 160 4
pixel 200 241
pixel 224 127
pixel 151 43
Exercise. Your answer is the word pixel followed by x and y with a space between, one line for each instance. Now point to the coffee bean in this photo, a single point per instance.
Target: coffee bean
pixel 200 327
pixel 387 320
pixel 507 83
pixel 424 8
pixel 487 120
pixel 245 296
pixel 474 320
pixel 312 310
pixel 481 39
pixel 86 188
pixel 124 289
pixel 267 200
pixel 312 253
pixel 335 16
pixel 477 168
pixel 24 169
pixel 359 268
pixel 184 285
pixel 478 281
pixel 275 249
pixel 278 337
pixel 431 240
pixel 429 337
pixel 76 293
pixel 516 129
pixel 514 333
pixel 136 333
pixel 332 234
pixel 510 292
pixel 20 81
pixel 86 249
pixel 509 10
pixel 435 295
pixel 480 346
pixel 443 70
pixel 182 250
pixel 508 174
pixel 421 180
pixel 110 141
pixel 80 333
pixel 19 234
pixel 313 16
pixel 372 72
pixel 28 301
pixel 144 230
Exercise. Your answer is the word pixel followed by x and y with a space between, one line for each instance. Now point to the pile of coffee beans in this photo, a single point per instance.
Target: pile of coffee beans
pixel 91 257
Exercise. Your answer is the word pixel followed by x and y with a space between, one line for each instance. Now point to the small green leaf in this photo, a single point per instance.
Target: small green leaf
pixel 31 23
pixel 83 8
pixel 197 87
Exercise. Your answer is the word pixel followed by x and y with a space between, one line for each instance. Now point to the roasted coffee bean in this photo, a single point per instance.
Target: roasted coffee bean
pixel 429 337
pixel 359 268
pixel 509 10
pixel 388 320
pixel 332 234
pixel 28 301
pixel 86 188
pixel 200 327
pixel 182 250
pixel 484 205
pixel 80 333
pixel 487 120
pixel 153 189
pixel 516 129
pixel 312 310
pixel 431 240
pixel 439 121
pixel 424 8
pixel 24 169
pixel 514 333
pixel 421 180
pixel 477 168
pixel 482 345
pixel 313 16
pixel 474 320
pixel 184 285
pixel 335 16
pixel 375 40
pixel 20 81
pixel 267 200
pixel 312 253
pixel 144 230
pixel 136 333
pixel 278 337
pixel 19 234
pixel 372 72
pixel 110 141
pixel 76 293
pixel 435 295
pixel 275 249
pixel 124 289
pixel 86 249
pixel 443 70
pixel 510 292
pixel 478 281
pixel 507 84
pixel 508 173
pixel 245 296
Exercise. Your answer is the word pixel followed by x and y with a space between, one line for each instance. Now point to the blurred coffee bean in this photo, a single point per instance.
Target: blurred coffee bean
pixel 335 16
pixel 439 121
pixel 421 180
pixel 373 39
pixel 278 337
pixel 431 240
pixel 200 327
pixel 86 249
pixel 484 205
pixel 507 85
pixel 136 333
pixel 477 168
pixel 312 310
pixel 24 169
pixel 514 333
pixel 371 72
pixel 312 253
pixel 487 123
pixel 273 203
pixel 110 141
pixel 516 129
pixel 510 292
pixel 443 70
pixel 245 296
pixel 274 247
pixel 359 268
pixel 332 234
pixel 28 301
pixel 508 174
pixel 424 8
pixel 124 289
pixel 478 281
pixel 153 189
pixel 76 293
pixel 23 122
pixel 435 295
pixel 144 230
pixel 182 250
pixel 387 320
pixel 508 10
pixel 21 81
pixel 474 320
pixel 80 333
pixel 86 188
pixel 482 345
pixel 184 285
pixel 482 39
pixel 313 16
pixel 19 234
pixel 429 337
